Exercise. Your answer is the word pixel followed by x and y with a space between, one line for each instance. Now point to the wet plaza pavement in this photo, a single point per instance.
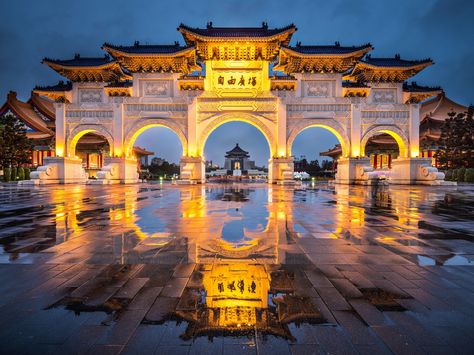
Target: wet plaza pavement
pixel 236 269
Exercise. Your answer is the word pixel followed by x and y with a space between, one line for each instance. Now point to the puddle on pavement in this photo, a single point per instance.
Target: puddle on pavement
pixel 384 300
pixel 218 300
pixel 219 260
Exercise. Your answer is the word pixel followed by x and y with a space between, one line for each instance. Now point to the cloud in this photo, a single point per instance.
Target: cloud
pixel 440 29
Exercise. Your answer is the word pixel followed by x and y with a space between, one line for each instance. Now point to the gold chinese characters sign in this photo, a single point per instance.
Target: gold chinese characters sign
pixel 245 80
pixel 237 78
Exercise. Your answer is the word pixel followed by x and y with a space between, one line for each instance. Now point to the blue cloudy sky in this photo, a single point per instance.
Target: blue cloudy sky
pixel 440 29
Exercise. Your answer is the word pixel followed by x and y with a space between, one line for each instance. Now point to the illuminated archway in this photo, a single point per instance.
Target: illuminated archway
pixel 395 132
pixel 81 130
pixel 253 120
pixel 144 125
pixel 332 127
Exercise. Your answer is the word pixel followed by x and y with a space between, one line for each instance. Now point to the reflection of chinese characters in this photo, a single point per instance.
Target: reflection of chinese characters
pixel 251 81
pixel 240 286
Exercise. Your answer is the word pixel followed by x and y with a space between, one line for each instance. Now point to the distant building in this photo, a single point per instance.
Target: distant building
pixel 238 159
pixel 157 161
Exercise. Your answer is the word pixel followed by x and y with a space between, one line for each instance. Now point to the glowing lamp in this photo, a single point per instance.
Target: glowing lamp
pixel 59 150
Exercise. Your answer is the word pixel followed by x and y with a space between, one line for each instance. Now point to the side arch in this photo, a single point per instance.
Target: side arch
pixel 79 131
pixel 330 125
pixel 254 120
pixel 394 131
pixel 146 123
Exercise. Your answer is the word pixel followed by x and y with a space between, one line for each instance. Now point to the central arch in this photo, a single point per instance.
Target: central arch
pixel 251 119
pixel 144 124
pixel 332 127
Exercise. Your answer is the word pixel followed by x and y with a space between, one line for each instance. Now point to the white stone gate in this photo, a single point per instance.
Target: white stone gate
pixel 333 87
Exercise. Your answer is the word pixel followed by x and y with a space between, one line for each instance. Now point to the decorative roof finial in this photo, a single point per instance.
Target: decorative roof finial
pixel 136 44
pixel 264 25
pixel 209 25
pixel 77 56
pixel 337 44
pixel 397 56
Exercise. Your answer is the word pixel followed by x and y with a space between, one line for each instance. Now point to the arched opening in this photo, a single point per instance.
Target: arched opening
pixel 157 149
pixel 383 145
pixel 236 149
pixel 92 147
pixel 382 149
pixel 316 149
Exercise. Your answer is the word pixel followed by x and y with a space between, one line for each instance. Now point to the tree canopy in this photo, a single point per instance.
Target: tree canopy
pixel 15 147
pixel 457 140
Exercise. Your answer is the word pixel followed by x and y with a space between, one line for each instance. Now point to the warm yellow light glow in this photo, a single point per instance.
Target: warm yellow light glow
pixel 415 153
pixel 117 152
pixel 233 287
pixel 59 150
pixel 223 76
pixel 281 215
pixel 355 148
pixel 403 149
pixel 192 150
pixel 72 147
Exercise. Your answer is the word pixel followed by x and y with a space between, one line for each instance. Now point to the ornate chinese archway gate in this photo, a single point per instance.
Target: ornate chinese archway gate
pixel 333 87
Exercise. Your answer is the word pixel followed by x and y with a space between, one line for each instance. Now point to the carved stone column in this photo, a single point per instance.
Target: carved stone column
pixel 353 171
pixel 117 170
pixel 192 170
pixel 280 170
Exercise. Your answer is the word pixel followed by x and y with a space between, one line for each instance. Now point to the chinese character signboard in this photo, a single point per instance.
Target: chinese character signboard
pixel 243 78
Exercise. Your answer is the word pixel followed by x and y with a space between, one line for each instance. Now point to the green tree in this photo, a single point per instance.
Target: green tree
pixel 15 147
pixel 457 140
pixel 165 168
pixel 313 168
pixel 327 165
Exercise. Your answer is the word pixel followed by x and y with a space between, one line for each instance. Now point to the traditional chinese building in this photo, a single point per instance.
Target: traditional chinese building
pixel 225 74
pixel 38 117
pixel 238 159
